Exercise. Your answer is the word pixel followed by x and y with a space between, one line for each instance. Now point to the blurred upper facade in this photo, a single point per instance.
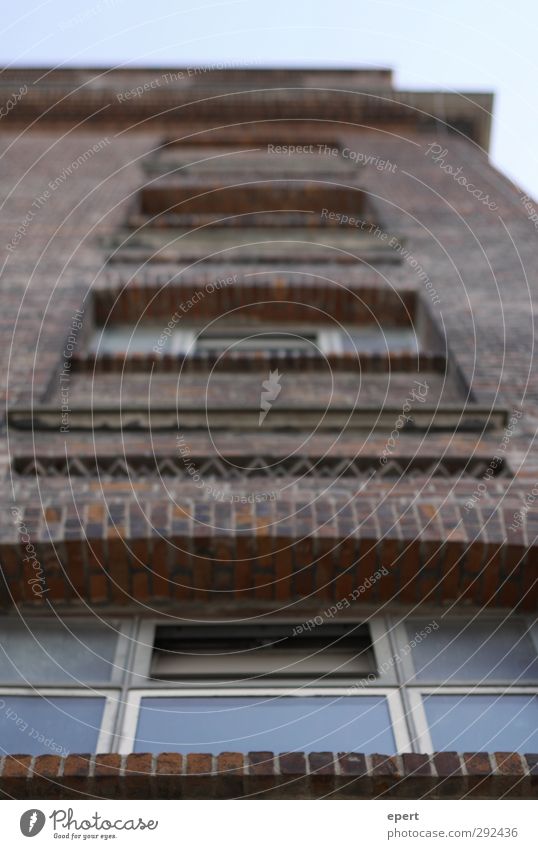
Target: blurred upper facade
pixel 267 446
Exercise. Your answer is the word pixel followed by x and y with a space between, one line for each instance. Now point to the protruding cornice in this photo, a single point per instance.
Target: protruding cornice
pixel 132 97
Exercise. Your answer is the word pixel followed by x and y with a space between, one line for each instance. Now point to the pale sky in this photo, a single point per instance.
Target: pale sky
pixel 473 45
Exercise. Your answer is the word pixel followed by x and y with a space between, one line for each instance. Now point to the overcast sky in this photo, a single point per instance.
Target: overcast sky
pixel 473 45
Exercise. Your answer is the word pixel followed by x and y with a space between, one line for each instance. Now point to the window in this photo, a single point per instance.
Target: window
pixel 144 339
pixel 481 654
pixel 266 723
pixel 478 721
pixel 275 686
pixel 261 653
pixel 60 652
pixel 53 724
pixel 58 684
pixel 424 684
pixel 258 341
pixel 479 651
pixel 297 160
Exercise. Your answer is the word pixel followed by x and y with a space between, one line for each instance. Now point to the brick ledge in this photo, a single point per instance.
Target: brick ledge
pixel 291 775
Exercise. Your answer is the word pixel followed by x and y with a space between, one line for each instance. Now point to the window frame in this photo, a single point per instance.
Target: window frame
pixel 329 341
pixel 124 635
pixel 395 707
pixel 423 740
pixel 409 678
pixel 107 731
pixel 139 674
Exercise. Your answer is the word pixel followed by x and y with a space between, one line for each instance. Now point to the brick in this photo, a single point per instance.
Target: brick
pixel 107 765
pixel 77 766
pixel 322 763
pixel 451 782
pixel 17 770
pixel 418 781
pixel 509 763
pixel 447 764
pixel 386 774
pixel 511 775
pixel 230 774
pixel 46 779
pixel 230 762
pixel 354 779
pixel 138 774
pixel 47 766
pixel 261 763
pixel 168 779
pixel 262 773
pixel 198 781
pixel 75 773
pixel 107 779
pixel 416 765
pixel 478 767
pixel 169 763
pixel 199 764
pixel 292 763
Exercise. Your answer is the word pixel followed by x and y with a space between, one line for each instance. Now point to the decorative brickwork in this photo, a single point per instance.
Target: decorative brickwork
pixel 293 775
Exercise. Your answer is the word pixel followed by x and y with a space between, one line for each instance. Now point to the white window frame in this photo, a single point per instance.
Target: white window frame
pixel 140 669
pixel 105 737
pixel 183 341
pixel 401 638
pixel 330 341
pixel 423 740
pixel 123 628
pixel 395 708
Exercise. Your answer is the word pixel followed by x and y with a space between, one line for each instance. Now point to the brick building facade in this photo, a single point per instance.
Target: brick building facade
pixel 268 457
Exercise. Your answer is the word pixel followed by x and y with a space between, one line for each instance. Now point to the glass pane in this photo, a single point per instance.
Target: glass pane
pixel 379 340
pixel 265 723
pixel 261 341
pixel 56 653
pixel 46 726
pixel 462 651
pixel 483 723
pixel 118 339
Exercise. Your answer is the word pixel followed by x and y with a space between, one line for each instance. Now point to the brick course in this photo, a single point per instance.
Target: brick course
pixel 264 774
